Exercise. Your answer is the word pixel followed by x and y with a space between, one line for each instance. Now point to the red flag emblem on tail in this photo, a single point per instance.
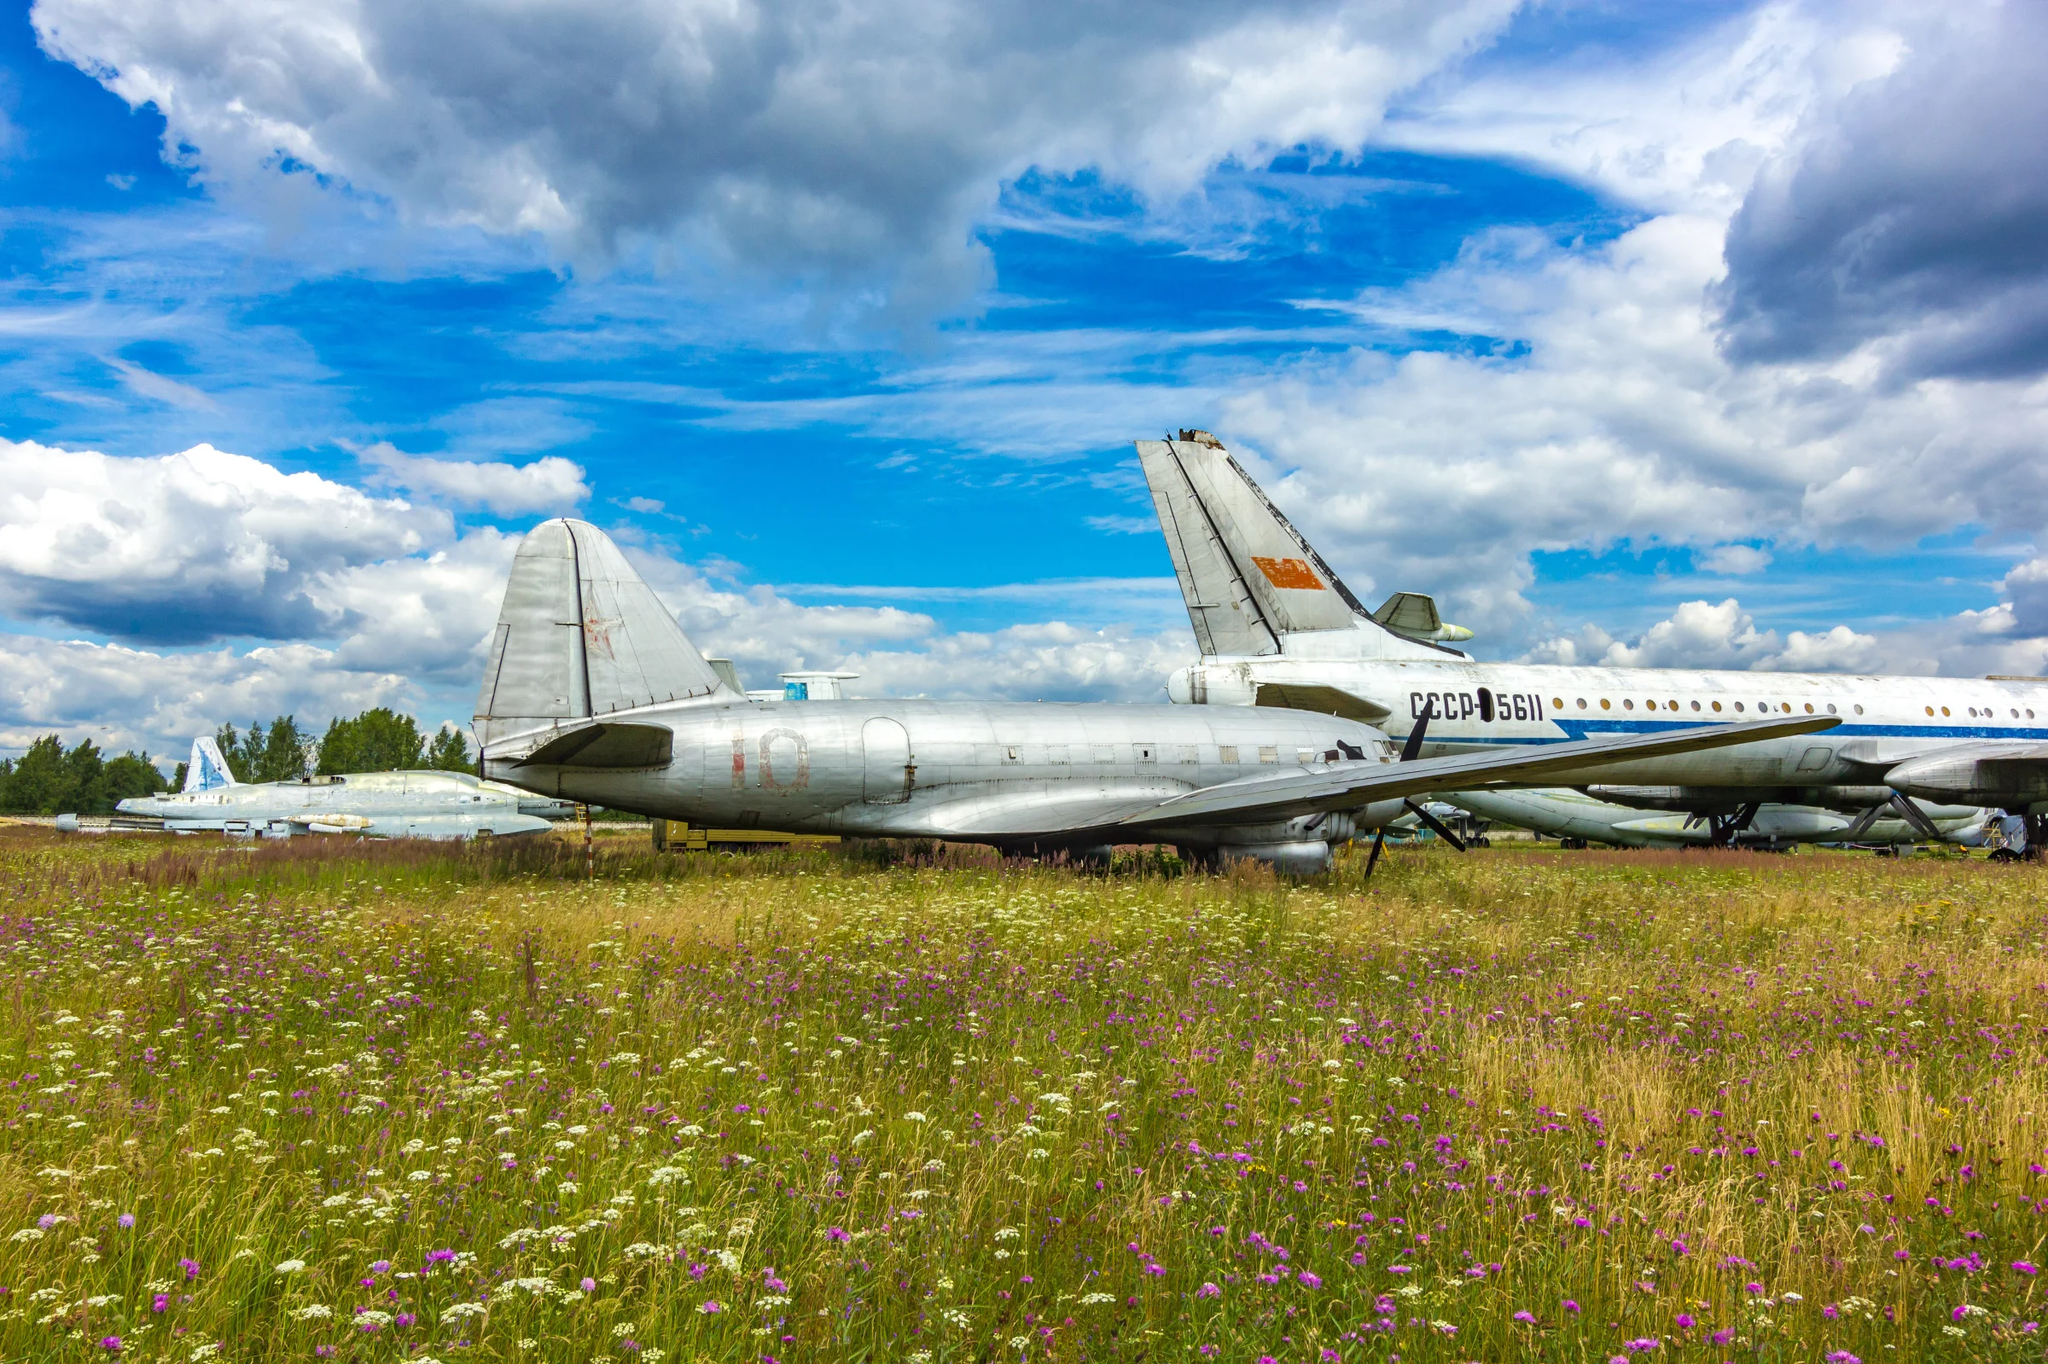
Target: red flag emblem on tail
pixel 1289 573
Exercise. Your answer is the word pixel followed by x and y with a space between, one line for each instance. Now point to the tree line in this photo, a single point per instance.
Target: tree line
pixel 49 779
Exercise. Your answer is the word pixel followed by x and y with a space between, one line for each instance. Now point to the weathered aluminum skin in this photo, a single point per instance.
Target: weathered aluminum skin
pixel 952 769
pixel 1563 813
pixel 1277 627
pixel 424 804
pixel 564 705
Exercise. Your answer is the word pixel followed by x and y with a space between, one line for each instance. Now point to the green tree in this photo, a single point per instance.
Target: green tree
pixel 379 740
pixel 231 749
pixel 47 780
pixel 273 752
pixel 449 752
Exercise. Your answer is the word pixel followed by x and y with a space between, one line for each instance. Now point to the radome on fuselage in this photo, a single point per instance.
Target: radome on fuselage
pixel 1276 627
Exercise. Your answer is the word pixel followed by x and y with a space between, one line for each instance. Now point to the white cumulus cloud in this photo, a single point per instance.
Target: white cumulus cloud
pixel 811 135
pixel 550 483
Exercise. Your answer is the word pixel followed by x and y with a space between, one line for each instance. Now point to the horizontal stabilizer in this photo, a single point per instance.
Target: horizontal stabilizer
pixel 606 745
pixel 1414 614
pixel 1320 700
pixel 1348 784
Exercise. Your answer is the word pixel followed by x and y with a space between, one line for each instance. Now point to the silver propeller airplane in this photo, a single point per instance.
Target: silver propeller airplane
pixel 593 693
pixel 413 804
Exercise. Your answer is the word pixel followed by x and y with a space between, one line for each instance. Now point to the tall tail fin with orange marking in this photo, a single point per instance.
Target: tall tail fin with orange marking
pixel 1250 580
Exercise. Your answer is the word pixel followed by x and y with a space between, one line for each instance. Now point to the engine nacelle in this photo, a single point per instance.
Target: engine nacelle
pixel 1972 776
pixel 1294 847
pixel 1307 857
pixel 1204 684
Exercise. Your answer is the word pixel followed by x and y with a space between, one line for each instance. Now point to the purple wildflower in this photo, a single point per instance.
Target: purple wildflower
pixel 111 1344
pixel 125 1220
pixel 1309 1280
pixel 1208 1290
pixel 589 1285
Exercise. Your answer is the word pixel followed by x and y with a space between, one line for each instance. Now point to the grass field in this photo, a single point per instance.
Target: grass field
pixel 405 1103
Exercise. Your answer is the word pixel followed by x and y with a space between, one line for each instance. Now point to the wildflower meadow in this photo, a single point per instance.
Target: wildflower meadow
pixel 327 1099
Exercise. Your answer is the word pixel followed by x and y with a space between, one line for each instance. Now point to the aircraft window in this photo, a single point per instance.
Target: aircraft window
pixel 1226 753
pixel 1304 756
pixel 1930 710
pixel 1831 708
pixel 1582 703
pixel 1859 710
pixel 1695 705
pixel 1269 753
pixel 1010 752
pixel 1144 753
pixel 1190 753
pixel 2030 715
pixel 1557 703
pixel 1627 704
pixel 1809 707
pixel 1944 710
pixel 1717 705
pixel 1606 704
pixel 1786 706
pixel 2016 715
pixel 1738 706
pixel 1674 705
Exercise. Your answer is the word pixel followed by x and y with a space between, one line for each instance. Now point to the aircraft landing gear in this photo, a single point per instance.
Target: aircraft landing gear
pixel 1574 844
pixel 2037 838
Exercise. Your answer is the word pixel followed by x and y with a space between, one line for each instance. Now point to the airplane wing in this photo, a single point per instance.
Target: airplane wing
pixel 1346 785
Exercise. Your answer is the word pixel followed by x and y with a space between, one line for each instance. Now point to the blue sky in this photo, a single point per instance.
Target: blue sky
pixel 1455 293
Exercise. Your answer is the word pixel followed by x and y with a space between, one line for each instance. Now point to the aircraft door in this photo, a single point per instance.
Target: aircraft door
pixel 886 769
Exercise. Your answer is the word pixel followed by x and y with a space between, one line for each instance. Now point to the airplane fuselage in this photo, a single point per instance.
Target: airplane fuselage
pixel 421 804
pixel 1885 721
pixel 944 769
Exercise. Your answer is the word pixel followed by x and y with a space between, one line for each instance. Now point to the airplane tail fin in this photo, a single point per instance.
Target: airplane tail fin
pixel 580 635
pixel 207 770
pixel 1248 576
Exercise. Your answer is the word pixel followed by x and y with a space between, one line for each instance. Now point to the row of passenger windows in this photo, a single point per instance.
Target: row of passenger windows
pixel 1060 754
pixel 1766 707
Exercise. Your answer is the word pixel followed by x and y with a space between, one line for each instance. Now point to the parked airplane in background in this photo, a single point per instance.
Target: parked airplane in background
pixel 413 804
pixel 1277 628
pixel 593 693
pixel 1567 814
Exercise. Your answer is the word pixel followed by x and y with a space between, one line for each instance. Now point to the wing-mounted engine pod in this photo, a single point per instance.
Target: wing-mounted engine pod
pixel 1309 857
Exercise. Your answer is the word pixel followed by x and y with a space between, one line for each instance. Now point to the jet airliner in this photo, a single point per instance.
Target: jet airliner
pixel 1276 627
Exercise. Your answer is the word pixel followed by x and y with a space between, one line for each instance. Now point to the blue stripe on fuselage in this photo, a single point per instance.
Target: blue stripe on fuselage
pixel 1590 728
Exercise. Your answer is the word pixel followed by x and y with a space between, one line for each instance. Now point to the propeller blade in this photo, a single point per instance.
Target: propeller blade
pixel 1915 816
pixel 1379 841
pixel 1431 820
pixel 1863 822
pixel 1411 749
